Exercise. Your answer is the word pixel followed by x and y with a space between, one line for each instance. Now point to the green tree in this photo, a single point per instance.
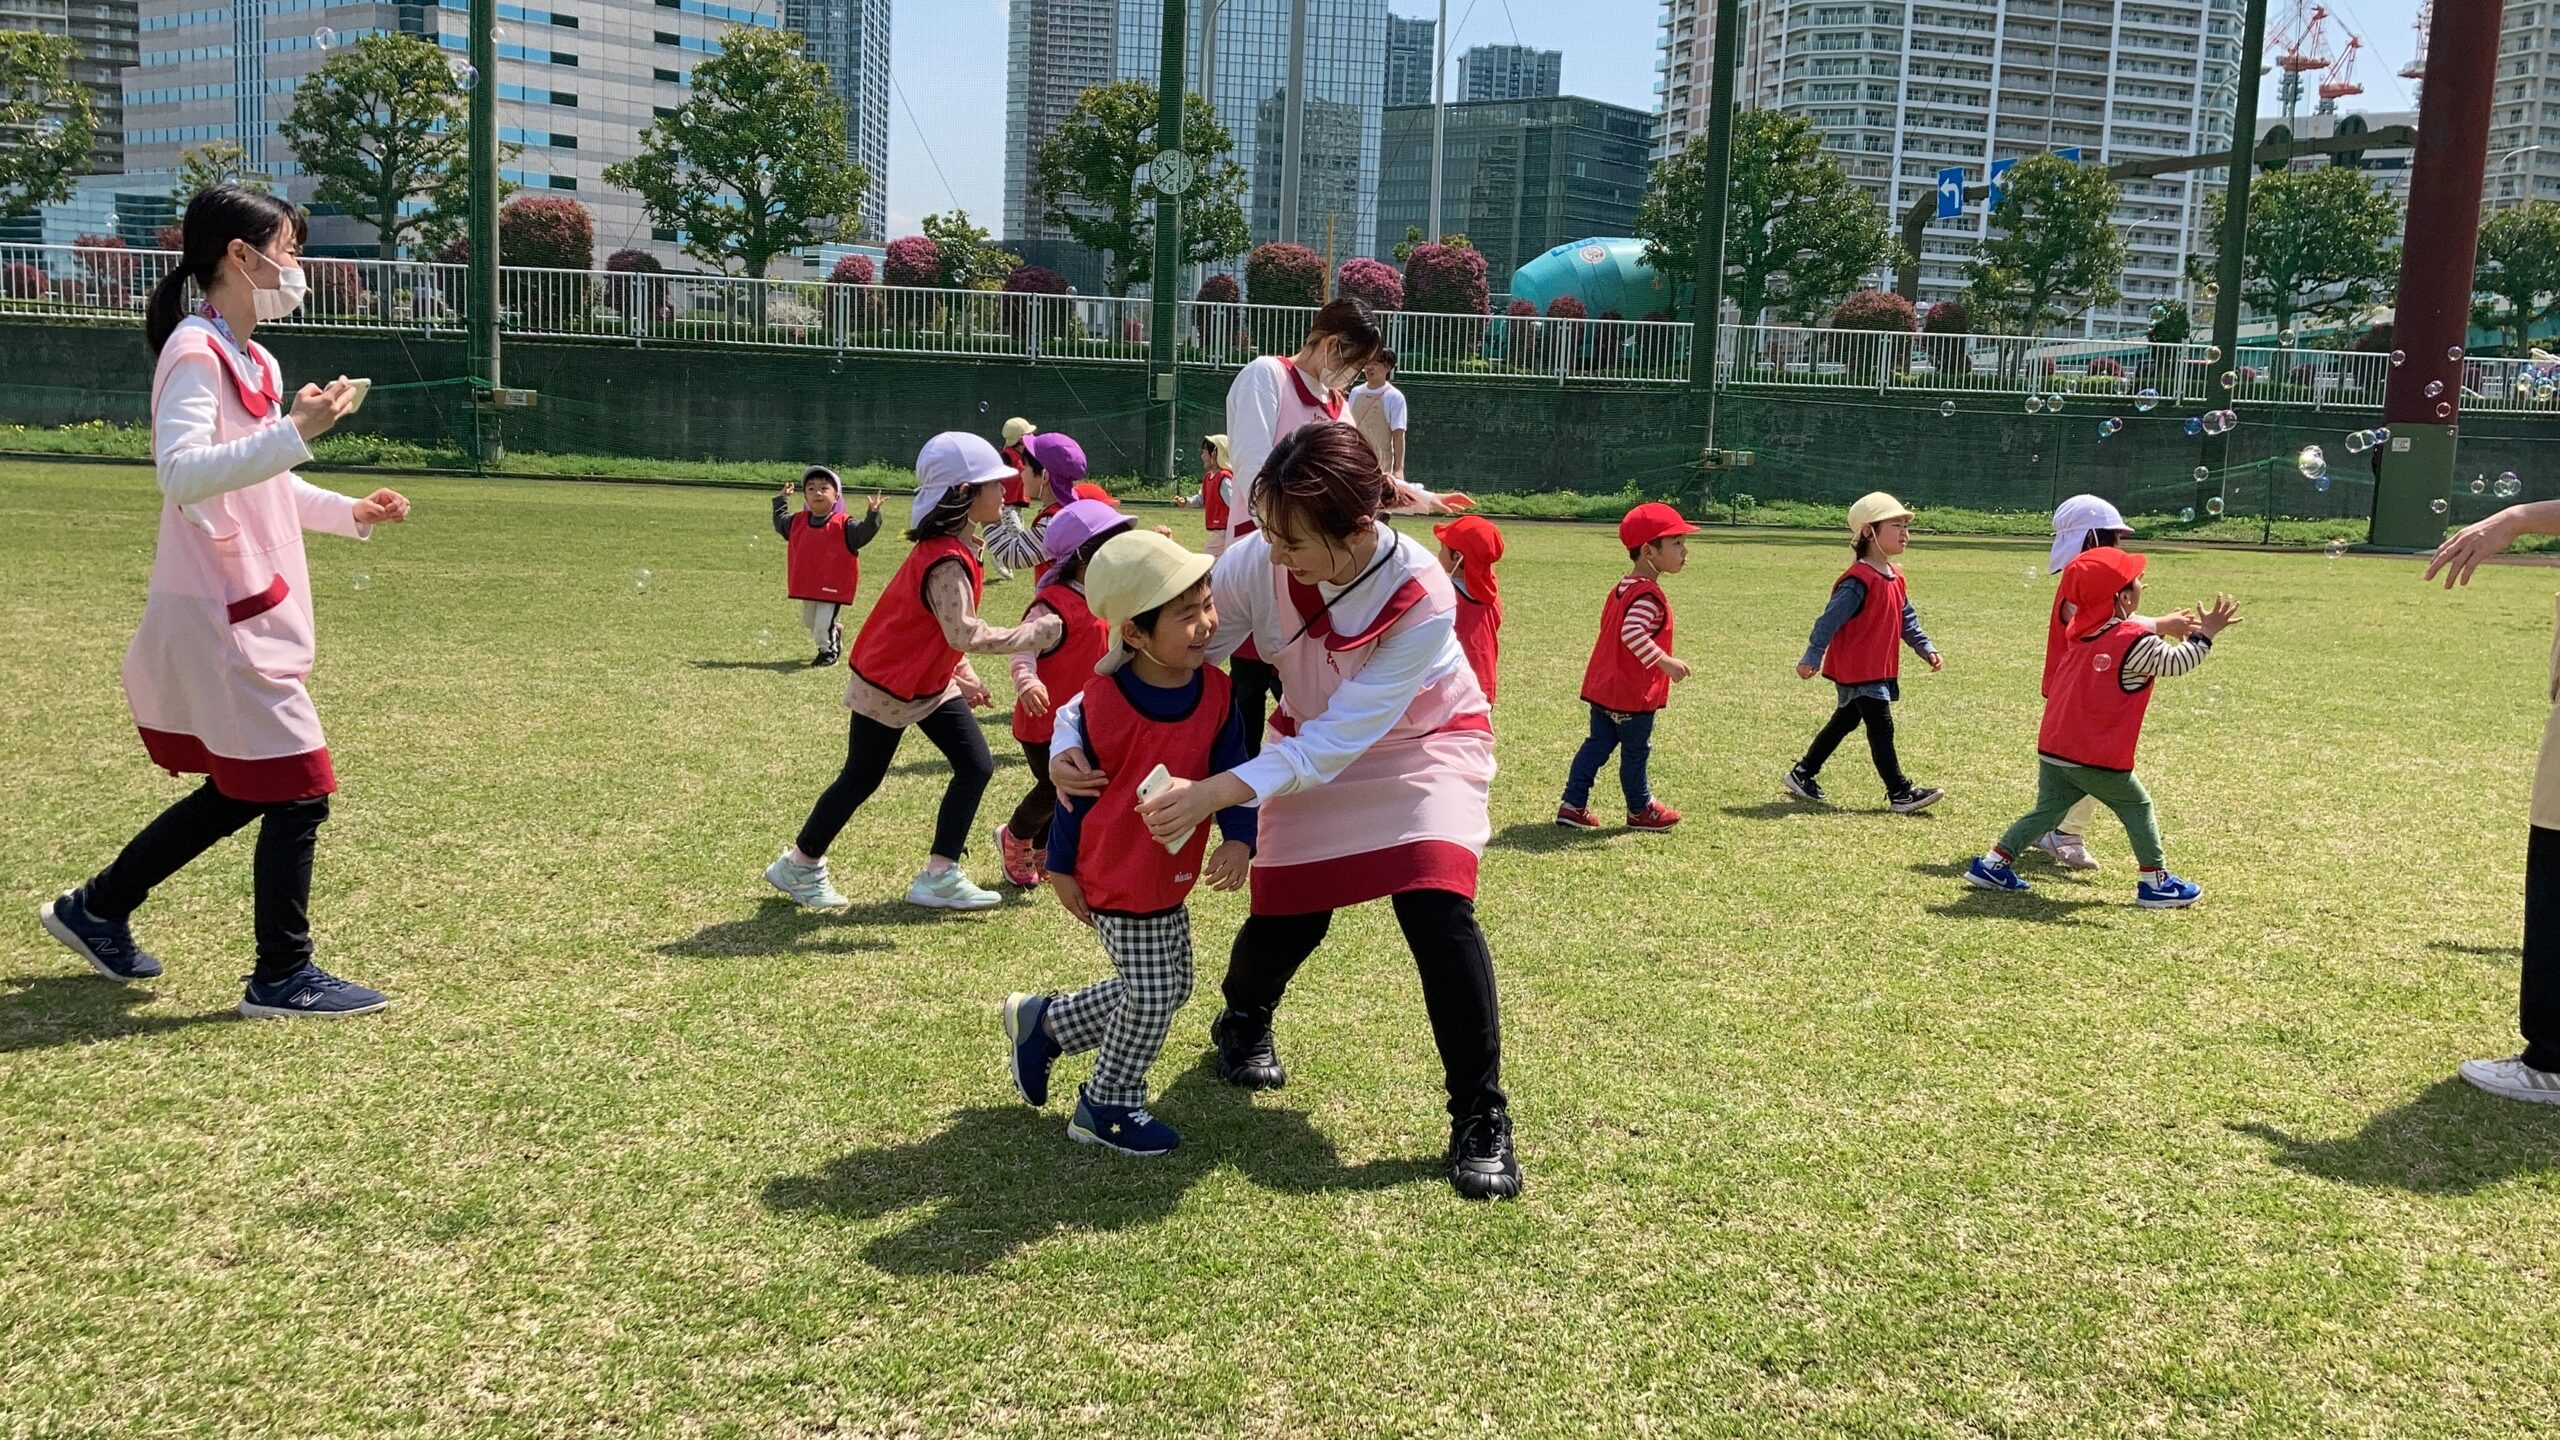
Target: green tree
pixel 382 123
pixel 1413 241
pixel 1087 179
pixel 2519 265
pixel 971 259
pixel 752 165
pixel 216 162
pixel 2056 250
pixel 1799 233
pixel 45 118
pixel 2320 244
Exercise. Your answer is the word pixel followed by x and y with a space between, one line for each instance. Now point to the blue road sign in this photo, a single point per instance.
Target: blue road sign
pixel 1951 192
pixel 2070 153
pixel 2000 177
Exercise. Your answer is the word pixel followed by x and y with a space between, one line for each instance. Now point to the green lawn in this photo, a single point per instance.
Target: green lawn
pixel 1817 1140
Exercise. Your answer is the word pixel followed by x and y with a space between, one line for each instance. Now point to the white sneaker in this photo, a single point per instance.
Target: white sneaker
pixel 2065 850
pixel 805 884
pixel 950 890
pixel 2512 1079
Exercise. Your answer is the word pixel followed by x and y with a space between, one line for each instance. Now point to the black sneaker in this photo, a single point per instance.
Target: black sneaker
pixel 1246 1055
pixel 1481 1163
pixel 106 944
pixel 825 658
pixel 1914 800
pixel 308 993
pixel 1803 786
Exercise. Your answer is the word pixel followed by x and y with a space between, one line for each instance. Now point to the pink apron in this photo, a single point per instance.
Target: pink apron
pixel 215 672
pixel 1411 812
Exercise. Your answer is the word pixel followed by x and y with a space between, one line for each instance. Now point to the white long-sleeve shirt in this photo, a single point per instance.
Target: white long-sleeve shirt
pixel 193 468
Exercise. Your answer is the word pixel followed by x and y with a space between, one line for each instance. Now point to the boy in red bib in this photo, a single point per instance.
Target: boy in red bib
pixel 1857 645
pixel 819 550
pixel 2093 711
pixel 1157 707
pixel 1469 547
pixel 1044 681
pixel 1630 674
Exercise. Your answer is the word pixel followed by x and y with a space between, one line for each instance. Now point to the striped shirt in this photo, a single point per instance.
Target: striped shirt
pixel 2153 658
pixel 1644 621
pixel 1016 547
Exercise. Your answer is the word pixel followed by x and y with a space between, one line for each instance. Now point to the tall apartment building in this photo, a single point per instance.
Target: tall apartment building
pixel 2524 115
pixel 1509 72
pixel 1055 50
pixel 851 38
pixel 1518 177
pixel 1410 44
pixel 1901 88
pixel 105 34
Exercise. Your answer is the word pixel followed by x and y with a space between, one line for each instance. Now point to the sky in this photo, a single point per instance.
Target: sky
pixel 946 117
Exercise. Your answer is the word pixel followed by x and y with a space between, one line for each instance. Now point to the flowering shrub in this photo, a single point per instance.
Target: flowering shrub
pixel 1374 281
pixel 1284 274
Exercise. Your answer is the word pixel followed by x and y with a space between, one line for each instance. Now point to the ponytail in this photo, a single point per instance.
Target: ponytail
pixel 215 218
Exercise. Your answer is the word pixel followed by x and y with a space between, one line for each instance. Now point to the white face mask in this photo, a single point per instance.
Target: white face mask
pixel 286 297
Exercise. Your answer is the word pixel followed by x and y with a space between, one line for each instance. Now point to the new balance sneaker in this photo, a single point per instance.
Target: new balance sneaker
pixel 1654 816
pixel 1986 873
pixel 1033 1051
pixel 309 993
pixel 1804 786
pixel 1246 1055
pixel 2512 1079
pixel 2065 849
pixel 1914 800
pixel 1577 817
pixel 1128 1129
pixel 1482 1165
pixel 805 884
pixel 106 944
pixel 948 889
pixel 2171 893
pixel 1015 857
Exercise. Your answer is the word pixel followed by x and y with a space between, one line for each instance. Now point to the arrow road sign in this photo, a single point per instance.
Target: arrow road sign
pixel 2000 178
pixel 1951 192
pixel 2070 153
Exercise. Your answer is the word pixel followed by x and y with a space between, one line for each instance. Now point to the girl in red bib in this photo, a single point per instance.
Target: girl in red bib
pixel 911 670
pixel 1045 681
pixel 1469 546
pixel 1857 645
pixel 1217 497
pixel 820 546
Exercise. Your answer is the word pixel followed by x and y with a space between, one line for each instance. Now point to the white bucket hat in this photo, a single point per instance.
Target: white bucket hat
pixel 2073 520
pixel 949 461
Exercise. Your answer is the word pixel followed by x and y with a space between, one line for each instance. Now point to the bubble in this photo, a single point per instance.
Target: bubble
pixel 2313 462
pixel 2439 506
pixel 2359 441
pixel 465 75
pixel 2509 487
pixel 982 407
pixel 2320 482
pixel 2453 352
pixel 764 639
pixel 2337 548
pixel 2479 484
pixel 2035 404
pixel 1947 410
pixel 2399 358
pixel 2159 311
pixel 2148 400
pixel 2285 338
pixel 2212 288
pixel 361 580
pixel 2187 516
pixel 640 579
pixel 324 38
pixel 2203 474
pixel 2212 354
pixel 2195 425
pixel 2230 380
pixel 2105 429
pixel 498 33
pixel 2434 388
pixel 2444 409
pixel 2028 578
pixel 2213 505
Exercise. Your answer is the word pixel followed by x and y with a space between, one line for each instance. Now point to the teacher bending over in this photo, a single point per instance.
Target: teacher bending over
pixel 1373 782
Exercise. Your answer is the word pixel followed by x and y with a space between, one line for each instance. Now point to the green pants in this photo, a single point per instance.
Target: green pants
pixel 2059 787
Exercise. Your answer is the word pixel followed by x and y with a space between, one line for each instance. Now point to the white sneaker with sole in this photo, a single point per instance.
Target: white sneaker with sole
pixel 805 884
pixel 950 890
pixel 2066 851
pixel 2512 1079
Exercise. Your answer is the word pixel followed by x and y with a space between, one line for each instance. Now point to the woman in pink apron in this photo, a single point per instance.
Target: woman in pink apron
pixel 1373 783
pixel 215 673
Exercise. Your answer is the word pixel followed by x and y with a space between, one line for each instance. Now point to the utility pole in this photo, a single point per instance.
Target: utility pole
pixel 1293 123
pixel 2235 222
pixel 1173 173
pixel 480 288
pixel 1439 115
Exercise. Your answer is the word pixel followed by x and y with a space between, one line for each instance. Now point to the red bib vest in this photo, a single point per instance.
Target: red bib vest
pixel 902 649
pixel 1213 499
pixel 1121 867
pixel 1066 667
pixel 1615 679
pixel 2055 642
pixel 820 567
pixel 1480 635
pixel 1869 647
pixel 1013 492
pixel 2088 718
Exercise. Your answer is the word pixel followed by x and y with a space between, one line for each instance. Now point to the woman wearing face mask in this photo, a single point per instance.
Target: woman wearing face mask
pixel 214 675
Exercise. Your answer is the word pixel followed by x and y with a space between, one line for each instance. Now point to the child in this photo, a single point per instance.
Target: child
pixel 1217 491
pixel 1053 467
pixel 819 555
pixel 1857 643
pixel 2093 721
pixel 1630 674
pixel 1014 430
pixel 911 669
pixel 1469 546
pixel 1051 678
pixel 1378 411
pixel 1156 701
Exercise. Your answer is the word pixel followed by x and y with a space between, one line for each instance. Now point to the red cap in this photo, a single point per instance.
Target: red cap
pixel 1652 521
pixel 2091 582
pixel 1087 490
pixel 1479 543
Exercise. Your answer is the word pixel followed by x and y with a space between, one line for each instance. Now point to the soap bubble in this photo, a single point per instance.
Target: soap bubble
pixel 2399 358
pixel 982 407
pixel 2195 425
pixel 764 639
pixel 2453 352
pixel 2147 400
pixel 2479 484
pixel 2053 401
pixel 2212 354
pixel 2320 482
pixel 2230 380
pixel 2187 516
pixel 362 581
pixel 498 33
pixel 640 579
pixel 465 75
pixel 324 38
pixel 2434 388
pixel 2359 441
pixel 2444 409
pixel 2212 288
pixel 1947 410
pixel 2203 474
pixel 2313 462
pixel 2035 404
pixel 2159 311
pixel 2213 505
pixel 2105 429
pixel 2285 338
pixel 2439 506
pixel 2509 487
pixel 2028 579
pixel 2337 548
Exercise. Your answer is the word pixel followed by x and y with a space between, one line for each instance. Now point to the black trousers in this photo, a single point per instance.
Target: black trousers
pixel 869 747
pixel 2538 995
pixel 1449 951
pixel 1256 684
pixel 1040 803
pixel 288 834
pixel 1877 715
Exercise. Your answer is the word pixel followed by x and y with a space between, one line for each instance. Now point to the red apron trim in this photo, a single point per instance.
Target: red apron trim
pixel 1350 880
pixel 257 399
pixel 1285 725
pixel 256 782
pixel 260 603
pixel 1319 621
pixel 1331 405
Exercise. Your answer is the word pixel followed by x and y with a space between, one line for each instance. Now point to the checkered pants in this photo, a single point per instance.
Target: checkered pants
pixel 1126 1017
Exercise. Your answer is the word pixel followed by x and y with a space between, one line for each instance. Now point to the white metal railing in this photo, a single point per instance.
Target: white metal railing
pixel 103 283
pixel 1887 361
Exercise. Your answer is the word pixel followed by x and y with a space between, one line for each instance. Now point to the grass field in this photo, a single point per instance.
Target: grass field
pixel 1817 1141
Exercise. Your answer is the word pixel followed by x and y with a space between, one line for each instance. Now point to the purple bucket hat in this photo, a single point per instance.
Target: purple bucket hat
pixel 1073 526
pixel 1059 455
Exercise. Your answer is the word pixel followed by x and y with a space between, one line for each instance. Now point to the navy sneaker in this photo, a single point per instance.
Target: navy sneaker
pixel 1482 1165
pixel 1033 1051
pixel 308 993
pixel 1128 1129
pixel 1246 1055
pixel 106 944
pixel 2171 893
pixel 1989 874
pixel 1914 799
pixel 1803 786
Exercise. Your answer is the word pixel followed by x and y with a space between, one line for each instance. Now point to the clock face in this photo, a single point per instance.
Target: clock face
pixel 1174 171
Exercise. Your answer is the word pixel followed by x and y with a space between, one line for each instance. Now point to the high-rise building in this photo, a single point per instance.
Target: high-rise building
pixel 1509 72
pixel 851 38
pixel 575 89
pixel 1410 44
pixel 104 36
pixel 1902 88
pixel 2524 108
pixel 1342 40
pixel 1055 50
pixel 1518 177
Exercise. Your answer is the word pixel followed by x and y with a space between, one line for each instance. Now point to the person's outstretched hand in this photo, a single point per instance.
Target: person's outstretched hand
pixel 382 507
pixel 2217 617
pixel 2456 558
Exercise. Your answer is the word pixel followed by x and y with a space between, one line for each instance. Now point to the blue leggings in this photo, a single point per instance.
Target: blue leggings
pixel 1632 737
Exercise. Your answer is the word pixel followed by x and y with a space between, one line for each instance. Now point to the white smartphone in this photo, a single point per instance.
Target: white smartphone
pixel 360 389
pixel 1153 786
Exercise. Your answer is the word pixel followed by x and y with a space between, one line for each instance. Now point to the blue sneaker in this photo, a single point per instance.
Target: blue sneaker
pixel 1128 1129
pixel 2171 893
pixel 309 993
pixel 1033 1051
pixel 1988 874
pixel 106 944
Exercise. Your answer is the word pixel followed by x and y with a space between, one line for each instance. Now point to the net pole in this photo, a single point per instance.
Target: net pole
pixel 1161 356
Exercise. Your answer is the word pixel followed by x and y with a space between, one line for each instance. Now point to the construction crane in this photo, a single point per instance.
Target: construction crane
pixel 2416 69
pixel 2339 81
pixel 2296 45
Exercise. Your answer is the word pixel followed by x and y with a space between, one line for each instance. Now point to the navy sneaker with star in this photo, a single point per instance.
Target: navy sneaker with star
pixel 1033 1051
pixel 309 993
pixel 106 944
pixel 1128 1129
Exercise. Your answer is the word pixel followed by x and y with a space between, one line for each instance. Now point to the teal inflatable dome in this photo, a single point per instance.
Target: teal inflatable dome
pixel 1604 274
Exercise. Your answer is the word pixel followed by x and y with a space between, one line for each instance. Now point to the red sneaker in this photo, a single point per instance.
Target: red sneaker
pixel 1577 817
pixel 1654 816
pixel 1015 856
pixel 1040 862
